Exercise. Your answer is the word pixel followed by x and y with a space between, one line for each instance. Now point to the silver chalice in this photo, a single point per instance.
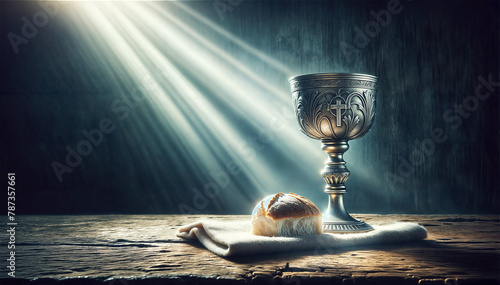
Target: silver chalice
pixel 335 108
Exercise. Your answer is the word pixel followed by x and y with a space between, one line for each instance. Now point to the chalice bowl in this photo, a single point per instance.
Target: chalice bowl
pixel 335 108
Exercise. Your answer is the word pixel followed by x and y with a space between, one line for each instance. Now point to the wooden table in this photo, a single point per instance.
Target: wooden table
pixel 142 249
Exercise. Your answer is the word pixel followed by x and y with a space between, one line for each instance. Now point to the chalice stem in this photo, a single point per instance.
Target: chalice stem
pixel 335 172
pixel 336 218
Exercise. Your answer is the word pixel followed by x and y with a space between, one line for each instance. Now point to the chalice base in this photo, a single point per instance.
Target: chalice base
pixel 337 220
pixel 347 227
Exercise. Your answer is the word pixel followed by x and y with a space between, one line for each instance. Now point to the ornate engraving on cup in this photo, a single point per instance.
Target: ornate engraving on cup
pixel 335 114
pixel 335 108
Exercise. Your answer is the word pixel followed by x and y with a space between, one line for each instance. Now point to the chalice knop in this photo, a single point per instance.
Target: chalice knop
pixel 335 108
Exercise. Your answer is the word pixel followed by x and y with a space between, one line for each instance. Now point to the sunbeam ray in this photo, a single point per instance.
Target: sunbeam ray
pixel 188 112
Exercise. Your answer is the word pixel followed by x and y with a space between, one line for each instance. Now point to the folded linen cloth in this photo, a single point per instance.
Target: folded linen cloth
pixel 234 238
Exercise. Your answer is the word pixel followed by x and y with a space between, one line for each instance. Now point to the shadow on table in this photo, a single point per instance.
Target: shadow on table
pixel 426 253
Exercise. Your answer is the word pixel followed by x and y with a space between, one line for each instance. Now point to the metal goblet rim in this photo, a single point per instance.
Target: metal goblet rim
pixel 333 80
pixel 326 76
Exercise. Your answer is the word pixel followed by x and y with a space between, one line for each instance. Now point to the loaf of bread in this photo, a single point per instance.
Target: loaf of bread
pixel 286 215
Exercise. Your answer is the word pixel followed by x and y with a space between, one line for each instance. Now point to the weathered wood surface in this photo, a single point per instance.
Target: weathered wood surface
pixel 142 249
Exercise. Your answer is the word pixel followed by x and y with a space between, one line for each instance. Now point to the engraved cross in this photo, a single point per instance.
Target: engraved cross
pixel 338 108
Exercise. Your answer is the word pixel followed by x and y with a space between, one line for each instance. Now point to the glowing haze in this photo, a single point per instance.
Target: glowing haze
pixel 209 101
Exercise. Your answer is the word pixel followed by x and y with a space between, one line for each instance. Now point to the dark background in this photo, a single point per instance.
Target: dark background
pixel 428 59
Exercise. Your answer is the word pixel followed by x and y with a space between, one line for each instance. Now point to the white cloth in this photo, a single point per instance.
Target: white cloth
pixel 234 238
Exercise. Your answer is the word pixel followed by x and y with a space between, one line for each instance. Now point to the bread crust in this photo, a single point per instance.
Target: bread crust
pixel 291 206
